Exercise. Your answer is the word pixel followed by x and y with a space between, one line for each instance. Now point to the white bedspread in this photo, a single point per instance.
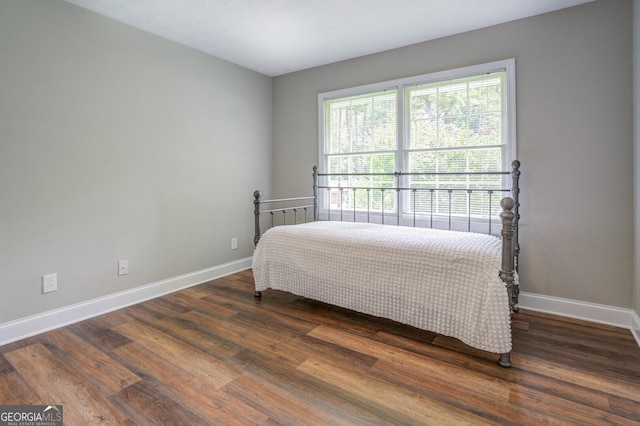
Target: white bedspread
pixel 442 281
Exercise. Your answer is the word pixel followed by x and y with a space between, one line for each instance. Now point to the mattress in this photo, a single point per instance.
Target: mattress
pixel 442 281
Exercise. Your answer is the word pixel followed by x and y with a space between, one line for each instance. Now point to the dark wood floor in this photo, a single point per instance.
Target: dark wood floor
pixel 213 354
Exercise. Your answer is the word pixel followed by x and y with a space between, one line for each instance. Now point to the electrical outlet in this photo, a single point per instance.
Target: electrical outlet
pixel 123 267
pixel 49 283
pixel 234 243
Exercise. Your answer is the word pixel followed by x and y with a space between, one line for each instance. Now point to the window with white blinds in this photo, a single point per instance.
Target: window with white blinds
pixel 461 120
pixel 362 138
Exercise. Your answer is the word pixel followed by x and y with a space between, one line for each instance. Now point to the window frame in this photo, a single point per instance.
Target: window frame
pixel 400 85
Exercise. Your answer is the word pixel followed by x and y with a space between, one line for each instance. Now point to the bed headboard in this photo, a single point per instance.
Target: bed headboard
pixel 338 190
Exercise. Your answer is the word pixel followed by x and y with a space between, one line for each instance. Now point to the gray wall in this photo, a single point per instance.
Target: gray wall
pixel 115 144
pixel 575 138
pixel 636 144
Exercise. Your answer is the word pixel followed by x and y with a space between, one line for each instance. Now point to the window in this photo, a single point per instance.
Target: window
pixel 461 120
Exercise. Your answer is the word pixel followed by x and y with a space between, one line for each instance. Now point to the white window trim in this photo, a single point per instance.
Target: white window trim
pixel 507 65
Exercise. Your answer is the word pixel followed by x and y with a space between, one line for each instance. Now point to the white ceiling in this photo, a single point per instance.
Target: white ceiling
pixel 276 37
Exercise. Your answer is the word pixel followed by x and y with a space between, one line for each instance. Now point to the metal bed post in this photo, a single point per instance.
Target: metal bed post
pixel 256 238
pixel 515 194
pixel 256 212
pixel 507 273
pixel 507 268
pixel 315 193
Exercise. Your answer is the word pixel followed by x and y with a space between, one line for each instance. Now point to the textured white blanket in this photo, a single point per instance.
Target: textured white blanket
pixel 443 281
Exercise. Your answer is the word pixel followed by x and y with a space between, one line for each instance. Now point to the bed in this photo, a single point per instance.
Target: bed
pixel 401 258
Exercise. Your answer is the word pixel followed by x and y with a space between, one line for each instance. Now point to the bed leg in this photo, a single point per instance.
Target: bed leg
pixel 257 294
pixel 505 360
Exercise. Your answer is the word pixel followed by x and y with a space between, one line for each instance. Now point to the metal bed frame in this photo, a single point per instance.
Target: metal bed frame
pixel 298 209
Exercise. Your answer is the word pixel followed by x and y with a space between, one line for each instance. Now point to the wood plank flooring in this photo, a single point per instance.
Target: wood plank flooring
pixel 213 354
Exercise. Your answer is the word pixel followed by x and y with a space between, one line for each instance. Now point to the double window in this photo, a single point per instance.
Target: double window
pixel 455 121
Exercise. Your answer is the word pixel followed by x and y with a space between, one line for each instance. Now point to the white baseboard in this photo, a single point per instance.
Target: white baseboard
pixel 36 324
pixel 603 314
